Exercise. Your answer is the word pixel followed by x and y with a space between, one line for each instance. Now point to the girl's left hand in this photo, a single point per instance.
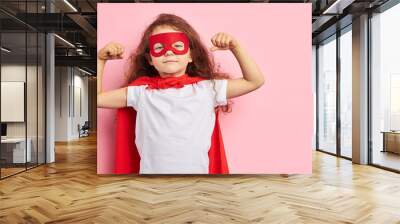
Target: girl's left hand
pixel 225 108
pixel 223 41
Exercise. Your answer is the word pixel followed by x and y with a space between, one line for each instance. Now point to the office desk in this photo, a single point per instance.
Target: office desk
pixel 15 148
pixel 391 141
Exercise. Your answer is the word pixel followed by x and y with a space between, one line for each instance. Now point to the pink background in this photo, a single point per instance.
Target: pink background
pixel 270 130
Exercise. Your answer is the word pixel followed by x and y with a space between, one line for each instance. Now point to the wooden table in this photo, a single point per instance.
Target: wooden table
pixel 391 141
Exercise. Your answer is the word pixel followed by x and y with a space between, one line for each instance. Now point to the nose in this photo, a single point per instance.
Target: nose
pixel 169 52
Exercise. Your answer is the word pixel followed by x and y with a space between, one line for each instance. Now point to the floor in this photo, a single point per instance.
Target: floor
pixel 388 159
pixel 70 191
pixel 10 170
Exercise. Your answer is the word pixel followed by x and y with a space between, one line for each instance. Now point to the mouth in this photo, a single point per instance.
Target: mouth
pixel 170 61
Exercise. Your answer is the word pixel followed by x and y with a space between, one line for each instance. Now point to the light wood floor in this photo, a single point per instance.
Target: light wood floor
pixel 10 171
pixel 13 170
pixel 388 159
pixel 70 191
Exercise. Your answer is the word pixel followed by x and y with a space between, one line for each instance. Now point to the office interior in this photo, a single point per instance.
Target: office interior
pixel 48 83
pixel 38 107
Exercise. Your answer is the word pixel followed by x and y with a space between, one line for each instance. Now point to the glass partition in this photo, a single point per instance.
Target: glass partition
pixel 22 88
pixel 13 99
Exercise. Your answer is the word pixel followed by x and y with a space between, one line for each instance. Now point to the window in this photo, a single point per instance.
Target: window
pixel 385 88
pixel 346 92
pixel 327 95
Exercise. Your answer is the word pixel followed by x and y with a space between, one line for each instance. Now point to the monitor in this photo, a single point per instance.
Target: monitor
pixel 3 129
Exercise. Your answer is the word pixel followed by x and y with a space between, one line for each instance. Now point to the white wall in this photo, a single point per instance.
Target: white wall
pixel 70 83
pixel 61 103
pixel 80 84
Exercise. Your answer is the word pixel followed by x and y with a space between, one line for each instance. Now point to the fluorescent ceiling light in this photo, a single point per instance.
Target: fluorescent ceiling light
pixel 338 6
pixel 65 41
pixel 5 49
pixel 331 7
pixel 70 5
pixel 84 71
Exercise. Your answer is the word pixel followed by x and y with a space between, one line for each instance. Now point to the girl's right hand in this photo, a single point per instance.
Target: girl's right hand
pixel 112 50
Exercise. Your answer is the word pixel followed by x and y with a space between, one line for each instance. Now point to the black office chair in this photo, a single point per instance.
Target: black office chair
pixel 84 130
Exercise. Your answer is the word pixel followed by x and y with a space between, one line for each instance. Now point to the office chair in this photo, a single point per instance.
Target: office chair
pixel 84 130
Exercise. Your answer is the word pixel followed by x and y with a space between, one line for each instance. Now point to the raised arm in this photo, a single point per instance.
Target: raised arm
pixel 252 76
pixel 114 98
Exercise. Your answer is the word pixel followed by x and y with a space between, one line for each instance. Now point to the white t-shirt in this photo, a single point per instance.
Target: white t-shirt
pixel 174 126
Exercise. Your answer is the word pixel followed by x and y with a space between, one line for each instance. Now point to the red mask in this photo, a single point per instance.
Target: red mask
pixel 167 40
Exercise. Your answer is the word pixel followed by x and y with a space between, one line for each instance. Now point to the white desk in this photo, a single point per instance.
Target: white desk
pixel 18 149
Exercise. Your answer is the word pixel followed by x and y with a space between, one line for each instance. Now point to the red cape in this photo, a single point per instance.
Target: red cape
pixel 127 159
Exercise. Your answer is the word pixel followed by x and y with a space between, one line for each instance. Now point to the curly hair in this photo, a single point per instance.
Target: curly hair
pixel 202 66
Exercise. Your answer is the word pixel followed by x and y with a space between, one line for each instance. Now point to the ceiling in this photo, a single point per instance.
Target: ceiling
pixel 76 22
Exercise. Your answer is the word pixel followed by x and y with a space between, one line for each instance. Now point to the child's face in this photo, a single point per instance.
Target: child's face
pixel 169 63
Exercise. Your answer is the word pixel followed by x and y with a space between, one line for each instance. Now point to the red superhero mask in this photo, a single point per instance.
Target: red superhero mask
pixel 168 42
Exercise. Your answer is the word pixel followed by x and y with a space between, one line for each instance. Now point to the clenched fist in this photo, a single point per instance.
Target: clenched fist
pixel 225 108
pixel 112 50
pixel 223 41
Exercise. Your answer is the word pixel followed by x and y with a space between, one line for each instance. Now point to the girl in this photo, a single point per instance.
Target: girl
pixel 176 92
